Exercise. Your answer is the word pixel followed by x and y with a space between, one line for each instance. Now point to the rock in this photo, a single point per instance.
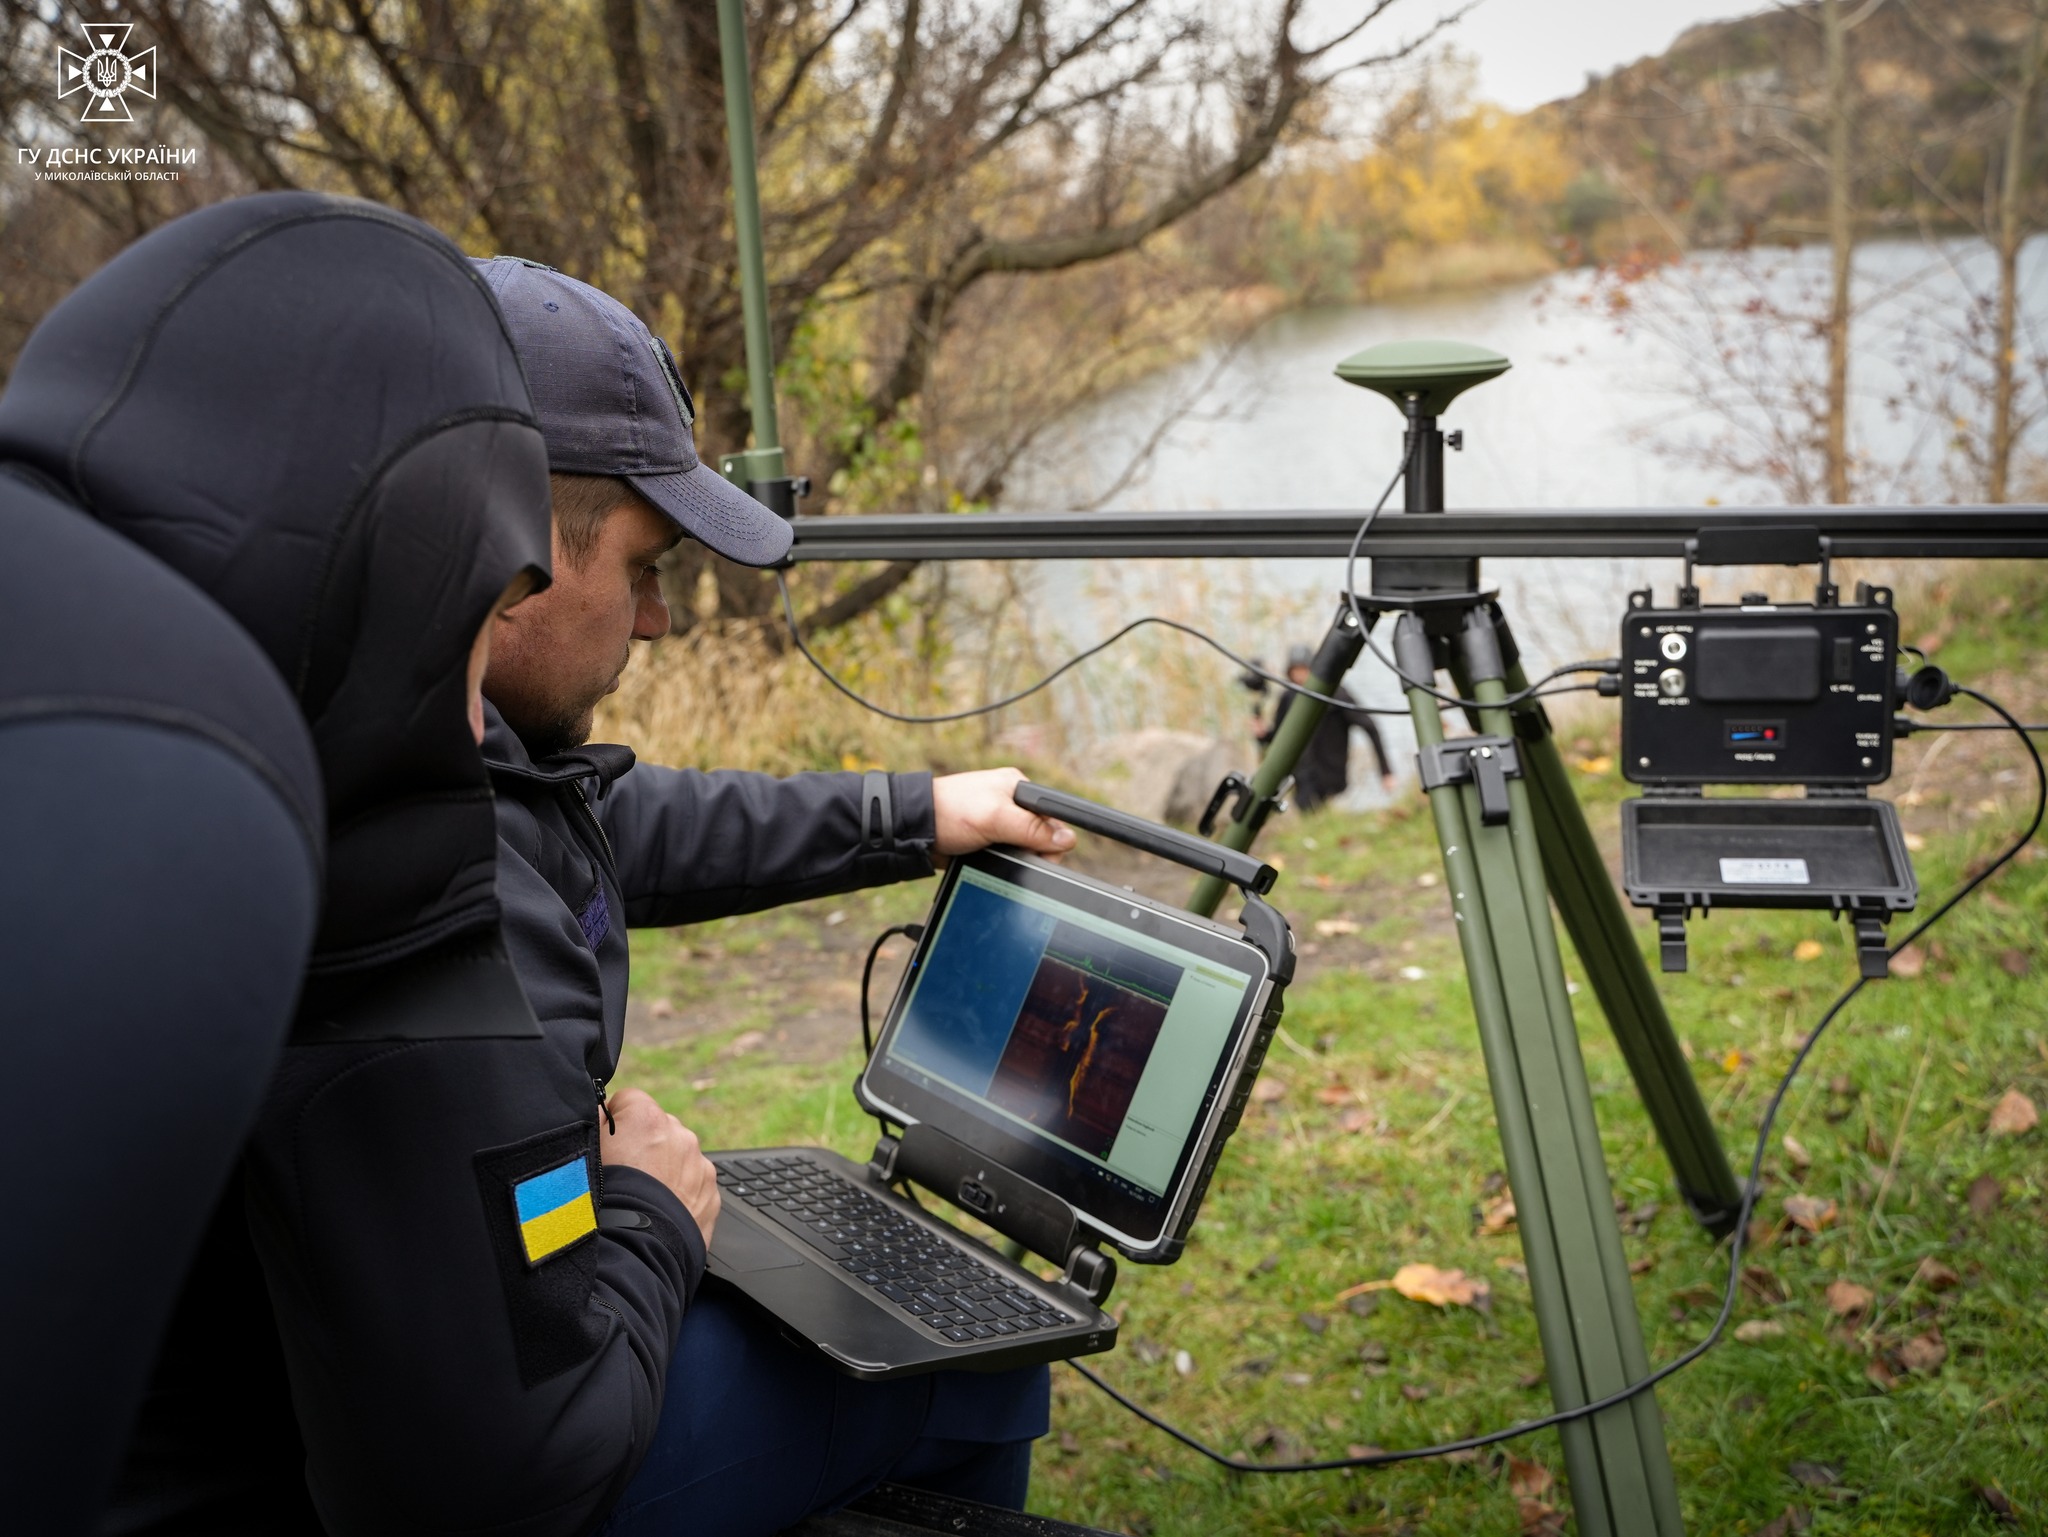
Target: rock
pixel 1162 775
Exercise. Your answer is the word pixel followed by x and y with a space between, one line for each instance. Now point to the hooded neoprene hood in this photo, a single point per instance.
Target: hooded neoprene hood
pixel 309 407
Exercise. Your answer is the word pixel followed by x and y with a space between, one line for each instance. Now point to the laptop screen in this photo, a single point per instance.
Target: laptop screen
pixel 1072 1032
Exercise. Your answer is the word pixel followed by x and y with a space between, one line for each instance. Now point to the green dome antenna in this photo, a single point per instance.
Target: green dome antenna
pixel 1435 373
pixel 1422 378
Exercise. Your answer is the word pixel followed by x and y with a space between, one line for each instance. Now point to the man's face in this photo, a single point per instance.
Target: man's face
pixel 558 653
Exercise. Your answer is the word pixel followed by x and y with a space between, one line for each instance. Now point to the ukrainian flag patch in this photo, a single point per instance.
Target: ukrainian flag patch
pixel 554 1209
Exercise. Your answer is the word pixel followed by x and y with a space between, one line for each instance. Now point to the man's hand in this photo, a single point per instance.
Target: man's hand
pixel 641 1135
pixel 974 810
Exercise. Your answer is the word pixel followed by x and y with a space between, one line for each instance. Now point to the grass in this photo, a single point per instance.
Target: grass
pixel 1380 1150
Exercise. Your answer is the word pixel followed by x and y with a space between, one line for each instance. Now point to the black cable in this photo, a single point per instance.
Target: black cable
pixel 1535 690
pixel 1737 1242
pixel 911 931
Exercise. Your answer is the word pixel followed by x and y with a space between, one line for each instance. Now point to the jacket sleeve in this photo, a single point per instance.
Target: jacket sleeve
pixel 690 845
pixel 472 1348
pixel 1373 734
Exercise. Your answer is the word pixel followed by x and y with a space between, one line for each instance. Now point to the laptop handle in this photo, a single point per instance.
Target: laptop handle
pixel 1198 854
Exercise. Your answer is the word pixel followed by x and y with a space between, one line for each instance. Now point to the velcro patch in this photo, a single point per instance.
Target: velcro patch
pixel 554 1209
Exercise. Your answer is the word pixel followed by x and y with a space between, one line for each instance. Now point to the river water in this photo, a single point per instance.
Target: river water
pixel 1598 411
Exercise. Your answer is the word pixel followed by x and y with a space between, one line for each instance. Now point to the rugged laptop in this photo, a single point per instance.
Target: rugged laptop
pixel 1066 1060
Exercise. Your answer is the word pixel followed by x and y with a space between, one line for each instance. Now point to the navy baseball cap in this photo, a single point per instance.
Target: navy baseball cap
pixel 611 402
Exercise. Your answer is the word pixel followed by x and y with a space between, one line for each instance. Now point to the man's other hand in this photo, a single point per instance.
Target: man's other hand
pixel 641 1135
pixel 974 810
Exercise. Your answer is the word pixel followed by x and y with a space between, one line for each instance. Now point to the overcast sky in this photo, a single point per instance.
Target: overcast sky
pixel 1533 51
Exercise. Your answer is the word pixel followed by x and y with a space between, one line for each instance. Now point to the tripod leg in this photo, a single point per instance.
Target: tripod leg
pixel 1620 1473
pixel 1340 648
pixel 1621 980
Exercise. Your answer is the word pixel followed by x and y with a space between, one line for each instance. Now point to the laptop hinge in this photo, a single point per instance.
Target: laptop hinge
pixel 882 1162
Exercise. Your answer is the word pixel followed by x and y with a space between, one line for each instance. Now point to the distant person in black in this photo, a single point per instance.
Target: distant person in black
pixel 1323 772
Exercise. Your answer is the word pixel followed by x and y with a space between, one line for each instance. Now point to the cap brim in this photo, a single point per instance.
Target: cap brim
pixel 717 513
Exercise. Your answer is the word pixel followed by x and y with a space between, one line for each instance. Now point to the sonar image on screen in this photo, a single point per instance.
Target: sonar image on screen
pixel 1086 1029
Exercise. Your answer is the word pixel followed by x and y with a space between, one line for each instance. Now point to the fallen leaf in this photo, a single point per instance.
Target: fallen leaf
pixel 1810 1211
pixel 1362 1305
pixel 1758 1329
pixel 1736 1060
pixel 2015 963
pixel 1364 1449
pixel 1070 1444
pixel 1642 1266
pixel 2013 1116
pixel 1334 1094
pixel 1539 1519
pixel 1442 1288
pixel 1414 1392
pixel 1995 1501
pixel 1528 1480
pixel 1846 1299
pixel 1795 1150
pixel 699 1085
pixel 1356 1119
pixel 1315 1323
pixel 1879 1376
pixel 1184 1363
pixel 1498 1217
pixel 1985 1194
pixel 1257 1366
pixel 746 1041
pixel 1268 1089
pixel 1277 1442
pixel 1265 1266
pixel 1815 1475
pixel 1597 765
pixel 1808 950
pixel 661 1008
pixel 1760 1284
pixel 1924 1352
pixel 1335 928
pixel 1374 1353
pixel 1909 962
pixel 1936 1276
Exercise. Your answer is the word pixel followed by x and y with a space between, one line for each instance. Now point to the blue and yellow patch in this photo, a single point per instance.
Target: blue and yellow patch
pixel 554 1209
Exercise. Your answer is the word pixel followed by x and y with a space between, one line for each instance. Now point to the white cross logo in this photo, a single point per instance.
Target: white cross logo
pixel 107 73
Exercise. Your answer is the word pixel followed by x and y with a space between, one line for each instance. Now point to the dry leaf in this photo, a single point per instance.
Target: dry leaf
pixel 1815 1475
pixel 1909 962
pixel 1268 1089
pixel 1995 1501
pixel 1355 1119
pixel 1443 1288
pixel 1364 1449
pixel 1414 1392
pixel 1528 1480
pixel 746 1041
pixel 1924 1352
pixel 661 1008
pixel 2015 963
pixel 1807 950
pixel 1760 1284
pixel 1335 928
pixel 1338 1093
pixel 1498 1217
pixel 1985 1194
pixel 1758 1329
pixel 2013 1116
pixel 1846 1299
pixel 1793 1518
pixel 1810 1211
pixel 1539 1519
pixel 1795 1150
pixel 1936 1276
pixel 1879 1376
pixel 1736 1060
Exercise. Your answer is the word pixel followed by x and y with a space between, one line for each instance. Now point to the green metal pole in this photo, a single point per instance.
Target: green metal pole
pixel 1620 1474
pixel 1340 648
pixel 763 462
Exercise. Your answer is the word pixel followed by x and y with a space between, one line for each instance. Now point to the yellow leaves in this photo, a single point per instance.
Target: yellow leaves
pixel 1807 950
pixel 2013 1116
pixel 1736 1060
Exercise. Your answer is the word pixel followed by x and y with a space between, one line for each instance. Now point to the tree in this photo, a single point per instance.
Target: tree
pixel 911 155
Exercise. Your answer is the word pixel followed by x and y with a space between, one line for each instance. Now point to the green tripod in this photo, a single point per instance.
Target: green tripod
pixel 1514 839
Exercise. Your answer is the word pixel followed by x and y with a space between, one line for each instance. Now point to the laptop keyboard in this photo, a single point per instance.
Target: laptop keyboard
pixel 954 1295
